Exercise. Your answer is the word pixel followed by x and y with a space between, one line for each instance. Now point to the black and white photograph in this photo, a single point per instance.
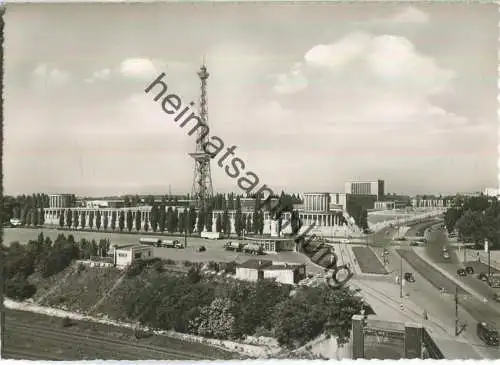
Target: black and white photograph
pixel 250 180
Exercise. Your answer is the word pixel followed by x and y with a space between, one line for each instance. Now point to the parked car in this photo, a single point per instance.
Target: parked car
pixel 469 270
pixel 482 276
pixel 496 297
pixel 461 272
pixel 201 249
pixel 413 243
pixel 487 334
pixel 446 255
pixel 409 277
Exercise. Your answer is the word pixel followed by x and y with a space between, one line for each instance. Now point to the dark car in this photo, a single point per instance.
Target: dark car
pixel 482 276
pixel 496 297
pixel 409 277
pixel 469 270
pixel 462 272
pixel 413 243
pixel 202 249
pixel 487 334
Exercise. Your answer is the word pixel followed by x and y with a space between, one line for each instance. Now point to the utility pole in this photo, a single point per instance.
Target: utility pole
pixel 456 311
pixel 487 249
pixel 401 279
pixel 2 308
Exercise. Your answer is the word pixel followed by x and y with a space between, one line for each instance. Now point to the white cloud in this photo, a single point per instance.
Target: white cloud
pixel 291 82
pixel 370 79
pixel 338 54
pixel 47 76
pixel 410 15
pixel 138 68
pixel 99 75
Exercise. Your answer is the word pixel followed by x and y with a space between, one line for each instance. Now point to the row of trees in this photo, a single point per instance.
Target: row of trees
pixel 475 219
pixel 44 257
pixel 22 206
pixel 234 309
pixel 164 220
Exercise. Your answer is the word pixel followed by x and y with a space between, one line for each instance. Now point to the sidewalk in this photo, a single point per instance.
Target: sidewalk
pixel 420 251
pixel 471 255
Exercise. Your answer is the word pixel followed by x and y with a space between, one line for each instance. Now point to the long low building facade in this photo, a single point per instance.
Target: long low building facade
pixel 326 223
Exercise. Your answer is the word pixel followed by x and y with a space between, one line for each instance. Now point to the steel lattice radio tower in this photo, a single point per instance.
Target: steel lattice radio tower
pixel 202 181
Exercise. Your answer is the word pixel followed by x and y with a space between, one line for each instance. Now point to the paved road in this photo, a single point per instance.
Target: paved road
pixel 434 251
pixel 424 293
pixel 28 337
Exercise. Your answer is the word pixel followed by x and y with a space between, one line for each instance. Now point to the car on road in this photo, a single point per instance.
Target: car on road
pixel 469 270
pixel 487 334
pixel 414 243
pixel 461 272
pixel 202 249
pixel 496 297
pixel 446 254
pixel 482 276
pixel 409 277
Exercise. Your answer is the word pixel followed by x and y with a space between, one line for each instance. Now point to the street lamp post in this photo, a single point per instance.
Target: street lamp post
pixel 401 278
pixel 487 249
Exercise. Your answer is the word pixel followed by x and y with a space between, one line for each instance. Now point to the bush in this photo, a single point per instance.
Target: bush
pixel 66 322
pixel 263 332
pixel 18 288
pixel 170 262
pixel 194 275
pixel 230 267
pixel 158 266
pixel 212 265
pixel 187 263
pixel 135 268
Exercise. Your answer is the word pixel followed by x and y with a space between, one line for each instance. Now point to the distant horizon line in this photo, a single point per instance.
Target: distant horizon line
pixel 122 195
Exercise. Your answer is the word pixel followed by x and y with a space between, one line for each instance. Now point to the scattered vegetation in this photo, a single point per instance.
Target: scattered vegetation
pixel 475 219
pixel 188 302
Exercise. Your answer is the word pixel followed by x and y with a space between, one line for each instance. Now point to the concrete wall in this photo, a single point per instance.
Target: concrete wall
pixel 243 273
pixel 285 276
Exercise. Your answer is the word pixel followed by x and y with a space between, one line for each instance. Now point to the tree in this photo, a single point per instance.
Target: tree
pixel 201 221
pixel 451 217
pixel 98 219
pixel 61 219
pixel 138 220
pixel 75 218
pixel 91 219
pixel 82 220
pixel 69 218
pixel 363 219
pixel 295 222
pixel 154 217
pixel 162 217
pixel 113 220
pixel 226 223
pixel 249 227
pixel 34 217
pixel 216 320
pixel 209 221
pixel 130 220
pixel 218 223
pixel 470 226
pixel 41 221
pixel 105 222
pixel 121 221
pixel 191 220
pixel 170 220
pixel 237 219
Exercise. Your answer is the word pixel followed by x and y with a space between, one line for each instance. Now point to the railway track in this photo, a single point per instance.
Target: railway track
pixel 100 346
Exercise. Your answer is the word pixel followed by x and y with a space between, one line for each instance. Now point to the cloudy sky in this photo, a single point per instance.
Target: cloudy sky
pixel 311 96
